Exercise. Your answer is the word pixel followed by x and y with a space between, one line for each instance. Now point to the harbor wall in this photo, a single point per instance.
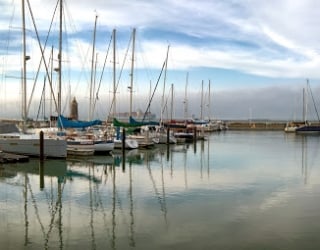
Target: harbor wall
pixel 256 125
pixel 261 125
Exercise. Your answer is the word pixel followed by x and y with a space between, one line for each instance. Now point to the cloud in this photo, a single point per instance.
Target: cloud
pixel 214 33
pixel 210 39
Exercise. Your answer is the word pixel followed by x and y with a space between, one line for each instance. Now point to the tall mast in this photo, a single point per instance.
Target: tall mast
pixel 171 116
pixel 304 111
pixel 50 81
pixel 185 98
pixel 59 59
pixel 150 90
pixel 92 71
pixel 209 101
pixel 305 102
pixel 201 103
pixel 24 73
pixel 132 68
pixel 114 72
pixel 164 85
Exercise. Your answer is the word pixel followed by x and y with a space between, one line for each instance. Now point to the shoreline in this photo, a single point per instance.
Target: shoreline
pixel 260 125
pixel 254 125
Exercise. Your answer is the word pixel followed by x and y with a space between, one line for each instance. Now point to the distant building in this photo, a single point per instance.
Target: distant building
pixel 74 109
pixel 137 115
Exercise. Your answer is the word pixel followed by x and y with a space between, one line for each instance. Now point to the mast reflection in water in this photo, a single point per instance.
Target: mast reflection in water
pixel 236 190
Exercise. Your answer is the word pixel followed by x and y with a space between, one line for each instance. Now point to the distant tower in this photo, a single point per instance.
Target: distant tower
pixel 74 109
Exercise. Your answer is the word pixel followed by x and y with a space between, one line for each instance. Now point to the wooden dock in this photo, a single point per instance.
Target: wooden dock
pixel 12 158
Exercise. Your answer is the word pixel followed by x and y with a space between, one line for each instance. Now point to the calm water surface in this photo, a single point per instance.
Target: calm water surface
pixel 237 190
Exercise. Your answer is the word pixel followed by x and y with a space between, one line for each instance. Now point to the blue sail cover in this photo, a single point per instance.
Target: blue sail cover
pixel 63 122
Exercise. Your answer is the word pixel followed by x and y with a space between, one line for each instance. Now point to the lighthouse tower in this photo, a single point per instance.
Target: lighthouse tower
pixel 74 109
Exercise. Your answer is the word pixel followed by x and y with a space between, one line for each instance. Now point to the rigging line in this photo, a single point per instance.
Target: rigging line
pixel 314 104
pixel 131 236
pixel 157 193
pixel 164 85
pixel 144 60
pixel 93 69
pixel 206 95
pixel 124 60
pixel 26 219
pixel 82 55
pixel 36 208
pixel 42 54
pixel 105 220
pixel 123 63
pixel 42 99
pixel 41 60
pixel 117 85
pixel 164 203
pixel 112 102
pixel 45 45
pixel 103 68
pixel 154 90
pixel 165 105
pixel 7 43
pixel 93 243
pixel 68 62
pixel 54 212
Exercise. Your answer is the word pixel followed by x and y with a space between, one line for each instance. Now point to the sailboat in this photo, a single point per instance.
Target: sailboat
pixel 183 133
pixel 80 141
pixel 308 128
pixel 102 144
pixel 29 143
pixel 292 126
pixel 89 141
pixel 143 134
pixel 164 134
pixel 149 132
pixel 129 143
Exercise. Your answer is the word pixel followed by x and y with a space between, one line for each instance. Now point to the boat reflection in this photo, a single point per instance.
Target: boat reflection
pixel 159 195
pixel 22 175
pixel 52 168
pixel 309 148
pixel 97 194
pixel 308 145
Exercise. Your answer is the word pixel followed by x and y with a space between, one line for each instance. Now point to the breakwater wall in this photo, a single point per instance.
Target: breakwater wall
pixel 256 125
pixel 262 125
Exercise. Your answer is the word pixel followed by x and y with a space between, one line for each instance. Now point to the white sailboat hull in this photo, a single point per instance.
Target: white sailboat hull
pixel 103 146
pixel 77 146
pixel 129 144
pixel 163 139
pixel 80 151
pixel 30 145
pixel 143 140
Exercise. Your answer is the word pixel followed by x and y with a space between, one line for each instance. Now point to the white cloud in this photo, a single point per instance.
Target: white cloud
pixel 277 40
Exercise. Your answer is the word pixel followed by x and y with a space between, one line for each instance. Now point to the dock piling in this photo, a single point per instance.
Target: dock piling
pixel 41 146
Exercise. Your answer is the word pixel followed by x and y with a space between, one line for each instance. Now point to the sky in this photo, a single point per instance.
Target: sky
pixel 227 59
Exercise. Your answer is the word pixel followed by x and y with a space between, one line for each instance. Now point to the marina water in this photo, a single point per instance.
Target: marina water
pixel 235 190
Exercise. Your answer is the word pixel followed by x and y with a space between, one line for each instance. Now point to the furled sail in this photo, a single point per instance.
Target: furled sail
pixel 64 122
